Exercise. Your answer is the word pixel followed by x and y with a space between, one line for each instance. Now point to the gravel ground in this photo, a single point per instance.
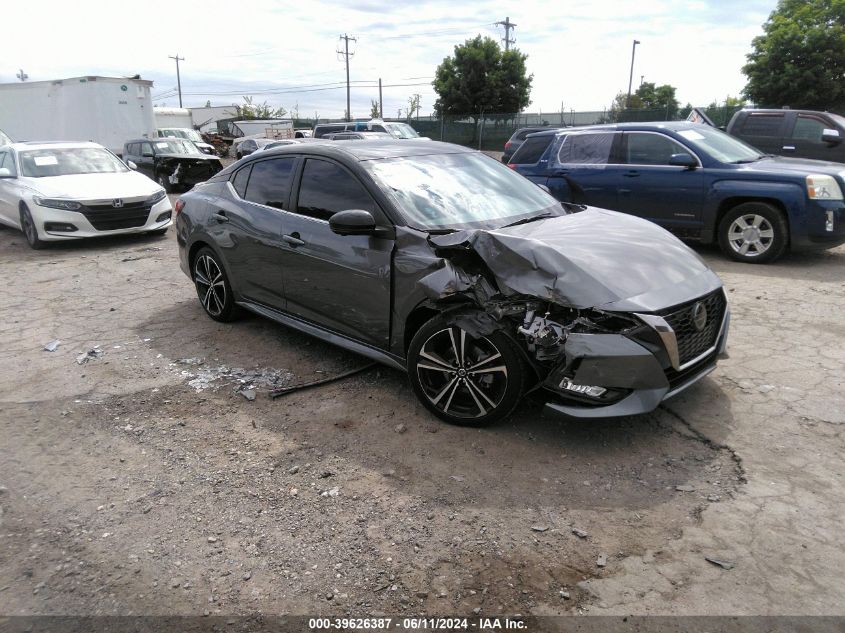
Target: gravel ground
pixel 142 481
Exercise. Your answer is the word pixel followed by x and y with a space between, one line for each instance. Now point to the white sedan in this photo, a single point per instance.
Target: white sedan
pixel 60 191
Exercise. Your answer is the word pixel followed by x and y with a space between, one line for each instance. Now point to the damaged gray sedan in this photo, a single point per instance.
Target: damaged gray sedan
pixel 439 261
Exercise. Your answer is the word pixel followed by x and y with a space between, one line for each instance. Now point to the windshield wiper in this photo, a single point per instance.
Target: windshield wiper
pixel 743 161
pixel 438 231
pixel 539 216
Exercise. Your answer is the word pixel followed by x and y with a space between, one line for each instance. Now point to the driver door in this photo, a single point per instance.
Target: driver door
pixel 339 282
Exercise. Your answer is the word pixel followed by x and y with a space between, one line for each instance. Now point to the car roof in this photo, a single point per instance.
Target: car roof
pixel 645 126
pixel 372 150
pixel 25 145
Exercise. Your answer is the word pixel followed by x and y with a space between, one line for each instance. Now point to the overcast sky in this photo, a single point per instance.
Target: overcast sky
pixel 285 52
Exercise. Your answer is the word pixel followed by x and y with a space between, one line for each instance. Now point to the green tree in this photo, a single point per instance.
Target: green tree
pixel 252 110
pixel 480 77
pixel 799 61
pixel 655 102
pixel 413 106
pixel 374 109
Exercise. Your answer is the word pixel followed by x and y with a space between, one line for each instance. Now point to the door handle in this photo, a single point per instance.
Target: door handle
pixel 789 148
pixel 293 239
pixel 624 192
pixel 220 216
pixel 631 174
pixel 560 172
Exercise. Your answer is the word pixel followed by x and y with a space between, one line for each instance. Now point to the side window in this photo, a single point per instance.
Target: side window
pixel 651 149
pixel 328 188
pixel 531 150
pixel 586 149
pixel 146 148
pixel 378 128
pixel 809 128
pixel 762 125
pixel 269 183
pixel 8 162
pixel 240 180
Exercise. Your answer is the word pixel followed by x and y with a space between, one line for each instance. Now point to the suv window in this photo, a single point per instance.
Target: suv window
pixel 586 149
pixel 762 125
pixel 531 150
pixel 269 183
pixel 8 162
pixel 809 128
pixel 146 148
pixel 322 130
pixel 240 180
pixel 650 149
pixel 378 128
pixel 328 188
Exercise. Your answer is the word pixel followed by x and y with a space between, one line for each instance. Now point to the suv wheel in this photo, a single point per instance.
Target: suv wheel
pixel 462 379
pixel 213 288
pixel 164 181
pixel 753 232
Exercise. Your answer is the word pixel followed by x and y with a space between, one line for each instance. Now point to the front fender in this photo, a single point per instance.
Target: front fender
pixel 789 195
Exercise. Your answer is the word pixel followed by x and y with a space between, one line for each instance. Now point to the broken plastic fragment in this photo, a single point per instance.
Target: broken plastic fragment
pixel 51 346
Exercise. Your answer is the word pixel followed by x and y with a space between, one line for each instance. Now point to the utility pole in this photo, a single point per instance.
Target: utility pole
pixel 346 54
pixel 507 39
pixel 631 76
pixel 178 78
pixel 380 102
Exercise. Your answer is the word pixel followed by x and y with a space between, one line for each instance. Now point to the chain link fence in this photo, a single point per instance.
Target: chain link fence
pixel 490 132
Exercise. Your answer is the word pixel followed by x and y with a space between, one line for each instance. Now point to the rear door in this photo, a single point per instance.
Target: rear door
pixel 341 282
pixel 584 169
pixel 146 161
pixel 653 189
pixel 805 137
pixel 10 190
pixel 765 131
pixel 249 224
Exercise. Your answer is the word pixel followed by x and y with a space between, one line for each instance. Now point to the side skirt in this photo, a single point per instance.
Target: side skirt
pixel 326 335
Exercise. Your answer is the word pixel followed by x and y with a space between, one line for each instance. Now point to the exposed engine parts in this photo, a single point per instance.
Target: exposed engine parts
pixel 545 337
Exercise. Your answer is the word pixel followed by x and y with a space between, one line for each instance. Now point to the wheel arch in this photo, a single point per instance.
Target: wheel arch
pixel 732 202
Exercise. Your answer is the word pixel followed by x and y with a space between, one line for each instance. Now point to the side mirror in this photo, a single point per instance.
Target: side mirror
pixel 831 137
pixel 353 222
pixel 683 160
pixel 5 173
pixel 131 165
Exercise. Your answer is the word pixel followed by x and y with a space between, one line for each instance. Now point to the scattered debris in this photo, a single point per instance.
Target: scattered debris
pixel 52 346
pixel 564 594
pixel 249 394
pixel 579 533
pixel 283 391
pixel 91 354
pixel 540 528
pixel 601 561
pixel 330 493
pixel 724 564
pixel 212 539
pixel 400 428
pixel 685 488
pixel 326 474
pixel 293 470
pixel 247 575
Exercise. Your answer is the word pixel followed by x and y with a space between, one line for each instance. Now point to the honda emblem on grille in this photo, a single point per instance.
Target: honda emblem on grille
pixel 699 316
pixel 117 203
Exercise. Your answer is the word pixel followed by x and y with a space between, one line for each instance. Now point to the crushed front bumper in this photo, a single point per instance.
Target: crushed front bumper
pixel 636 378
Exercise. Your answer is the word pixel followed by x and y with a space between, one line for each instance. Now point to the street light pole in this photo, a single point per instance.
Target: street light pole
pixel 631 76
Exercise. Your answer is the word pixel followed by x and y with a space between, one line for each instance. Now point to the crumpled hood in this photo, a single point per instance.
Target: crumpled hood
pixel 129 184
pixel 595 258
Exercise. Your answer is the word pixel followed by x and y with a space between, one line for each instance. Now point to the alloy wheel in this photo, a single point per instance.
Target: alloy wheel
pixel 750 235
pixel 29 229
pixel 461 376
pixel 211 286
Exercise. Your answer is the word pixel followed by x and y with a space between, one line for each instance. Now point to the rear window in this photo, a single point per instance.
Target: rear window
pixel 531 150
pixel 762 125
pixel 586 149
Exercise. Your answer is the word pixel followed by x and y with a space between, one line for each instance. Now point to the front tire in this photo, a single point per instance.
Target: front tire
pixel 29 230
pixel 754 232
pixel 164 182
pixel 465 380
pixel 213 288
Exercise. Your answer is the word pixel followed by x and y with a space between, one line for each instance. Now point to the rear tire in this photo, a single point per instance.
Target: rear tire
pixel 164 182
pixel 213 288
pixel 29 230
pixel 754 232
pixel 464 380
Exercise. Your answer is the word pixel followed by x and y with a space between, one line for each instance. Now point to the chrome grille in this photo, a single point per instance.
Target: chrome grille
pixel 691 341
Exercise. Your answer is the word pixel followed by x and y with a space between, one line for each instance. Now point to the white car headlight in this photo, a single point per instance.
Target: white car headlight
pixel 823 188
pixel 54 203
pixel 157 196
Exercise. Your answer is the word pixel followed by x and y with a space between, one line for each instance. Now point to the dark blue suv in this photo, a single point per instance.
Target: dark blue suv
pixel 696 181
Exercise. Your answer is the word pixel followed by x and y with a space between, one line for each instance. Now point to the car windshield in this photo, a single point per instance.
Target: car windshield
pixel 721 146
pixel 41 163
pixel 401 130
pixel 453 191
pixel 186 133
pixel 174 146
pixel 836 118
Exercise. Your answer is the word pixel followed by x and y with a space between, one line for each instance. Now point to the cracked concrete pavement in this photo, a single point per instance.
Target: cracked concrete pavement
pixel 143 482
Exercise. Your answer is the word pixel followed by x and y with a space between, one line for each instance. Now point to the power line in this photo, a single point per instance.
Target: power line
pixel 435 33
pixel 508 26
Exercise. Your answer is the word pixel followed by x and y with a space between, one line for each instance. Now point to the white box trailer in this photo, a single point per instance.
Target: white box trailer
pixel 105 110
pixel 173 117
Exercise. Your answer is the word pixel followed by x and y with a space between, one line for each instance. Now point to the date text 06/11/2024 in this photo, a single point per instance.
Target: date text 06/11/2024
pixel 418 624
